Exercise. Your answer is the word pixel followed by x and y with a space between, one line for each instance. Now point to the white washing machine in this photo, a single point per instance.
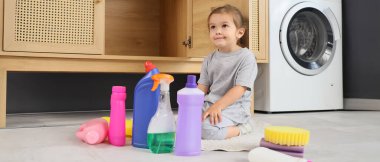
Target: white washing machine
pixel 305 57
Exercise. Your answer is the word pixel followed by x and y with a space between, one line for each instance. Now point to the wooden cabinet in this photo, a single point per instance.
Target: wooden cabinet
pixel 114 35
pixel 162 28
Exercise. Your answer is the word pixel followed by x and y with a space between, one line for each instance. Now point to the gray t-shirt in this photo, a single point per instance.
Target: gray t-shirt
pixel 221 72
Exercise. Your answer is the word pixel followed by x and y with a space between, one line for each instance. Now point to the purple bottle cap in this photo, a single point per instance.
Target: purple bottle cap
pixel 119 89
pixel 191 81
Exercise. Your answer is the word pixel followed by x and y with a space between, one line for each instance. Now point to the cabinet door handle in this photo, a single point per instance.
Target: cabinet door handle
pixel 187 43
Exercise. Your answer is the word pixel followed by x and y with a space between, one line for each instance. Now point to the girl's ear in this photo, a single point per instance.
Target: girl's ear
pixel 240 32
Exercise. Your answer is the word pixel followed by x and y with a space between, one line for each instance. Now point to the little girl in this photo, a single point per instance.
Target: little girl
pixel 227 77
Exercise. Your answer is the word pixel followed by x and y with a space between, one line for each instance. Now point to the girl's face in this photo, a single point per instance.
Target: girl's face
pixel 223 32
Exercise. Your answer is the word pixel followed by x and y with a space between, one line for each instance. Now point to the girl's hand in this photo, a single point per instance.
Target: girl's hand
pixel 215 110
pixel 215 113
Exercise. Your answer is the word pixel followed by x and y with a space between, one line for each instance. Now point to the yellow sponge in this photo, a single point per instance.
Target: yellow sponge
pixel 287 136
pixel 128 125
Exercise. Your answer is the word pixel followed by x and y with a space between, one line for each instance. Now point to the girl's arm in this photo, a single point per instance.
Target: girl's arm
pixel 215 110
pixel 203 88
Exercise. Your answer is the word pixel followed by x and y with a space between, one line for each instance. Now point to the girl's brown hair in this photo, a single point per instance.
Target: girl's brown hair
pixel 236 15
pixel 235 12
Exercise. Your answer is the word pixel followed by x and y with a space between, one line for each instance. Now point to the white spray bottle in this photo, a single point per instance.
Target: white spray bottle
pixel 161 130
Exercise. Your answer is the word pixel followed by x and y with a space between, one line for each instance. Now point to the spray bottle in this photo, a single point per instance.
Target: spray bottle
pixel 161 130
pixel 144 106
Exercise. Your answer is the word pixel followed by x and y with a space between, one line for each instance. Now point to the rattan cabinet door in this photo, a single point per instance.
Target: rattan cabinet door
pixel 54 26
pixel 258 29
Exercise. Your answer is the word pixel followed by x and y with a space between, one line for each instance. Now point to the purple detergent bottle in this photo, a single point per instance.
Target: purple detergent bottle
pixel 189 123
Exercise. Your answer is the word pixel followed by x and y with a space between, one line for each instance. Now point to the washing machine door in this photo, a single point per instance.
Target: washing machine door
pixel 308 37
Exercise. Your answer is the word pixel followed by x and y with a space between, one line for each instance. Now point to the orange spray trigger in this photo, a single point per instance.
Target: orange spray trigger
pixel 161 79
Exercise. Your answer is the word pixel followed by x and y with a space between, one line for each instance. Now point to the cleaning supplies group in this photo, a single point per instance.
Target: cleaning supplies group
pixel 95 131
pixel 153 120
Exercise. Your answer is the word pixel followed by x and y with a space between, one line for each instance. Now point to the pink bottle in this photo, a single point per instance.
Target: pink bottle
pixel 116 133
pixel 94 131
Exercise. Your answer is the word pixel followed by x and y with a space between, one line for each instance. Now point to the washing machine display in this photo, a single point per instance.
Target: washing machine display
pixel 307 38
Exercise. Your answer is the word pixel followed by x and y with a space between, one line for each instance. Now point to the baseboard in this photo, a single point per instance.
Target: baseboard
pixel 361 104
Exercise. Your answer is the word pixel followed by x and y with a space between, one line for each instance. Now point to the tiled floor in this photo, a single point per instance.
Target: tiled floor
pixel 344 136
